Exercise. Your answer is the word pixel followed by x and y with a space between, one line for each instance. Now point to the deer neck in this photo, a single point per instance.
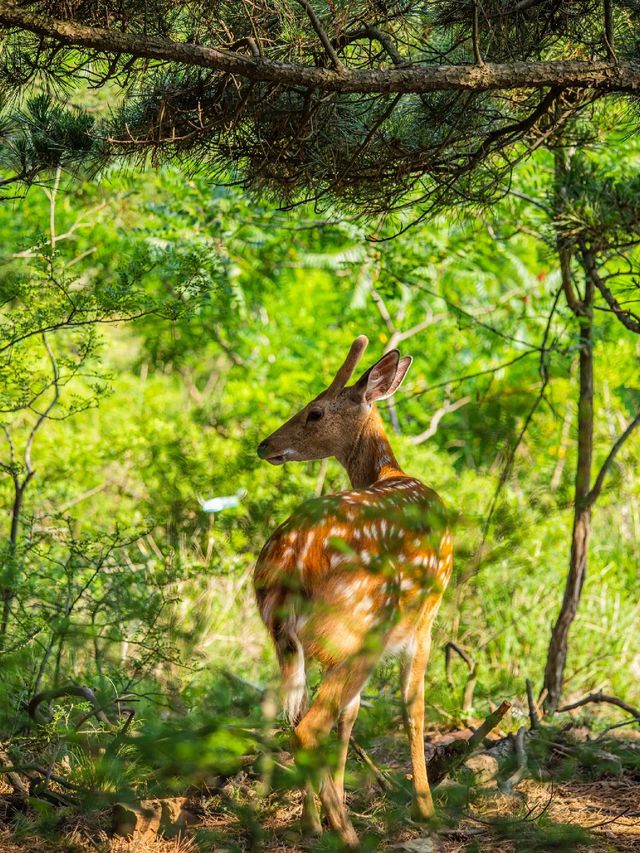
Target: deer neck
pixel 370 457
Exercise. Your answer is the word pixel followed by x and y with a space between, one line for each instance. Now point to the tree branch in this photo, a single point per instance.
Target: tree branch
pixel 45 413
pixel 608 31
pixel 564 254
pixel 85 693
pixel 594 493
pixel 476 35
pixel 601 697
pixel 437 416
pixel 446 759
pixel 602 76
pixel 628 319
pixel 386 43
pixel 324 38
pixel 455 380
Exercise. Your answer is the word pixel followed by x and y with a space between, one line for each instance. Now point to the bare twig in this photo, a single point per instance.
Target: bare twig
pixel 476 34
pixel 594 492
pixel 241 682
pixel 446 408
pixel 45 413
pixel 85 693
pixel 324 38
pixel 322 475
pixel 81 222
pixel 17 782
pixel 602 698
pixel 628 319
pixel 20 483
pixel 608 31
pixel 383 780
pixel 521 756
pixel 613 726
pixel 387 44
pixel 489 724
pixel 564 255
pixel 534 714
pixel 457 379
pixel 456 753
pixel 467 698
pixel 396 337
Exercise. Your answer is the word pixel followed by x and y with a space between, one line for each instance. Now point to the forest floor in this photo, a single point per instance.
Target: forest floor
pixel 591 810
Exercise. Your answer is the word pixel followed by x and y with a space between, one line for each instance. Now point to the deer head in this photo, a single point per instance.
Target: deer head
pixel 330 424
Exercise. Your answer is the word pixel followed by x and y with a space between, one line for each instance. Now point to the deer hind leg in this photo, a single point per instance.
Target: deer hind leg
pixel 293 679
pixel 345 726
pixel 413 698
pixel 311 824
pixel 340 686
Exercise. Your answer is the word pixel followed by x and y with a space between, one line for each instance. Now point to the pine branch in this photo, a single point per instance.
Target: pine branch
pixel 601 76
pixel 324 38
pixel 477 55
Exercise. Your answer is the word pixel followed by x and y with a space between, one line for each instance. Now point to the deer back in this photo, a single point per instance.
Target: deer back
pixel 360 561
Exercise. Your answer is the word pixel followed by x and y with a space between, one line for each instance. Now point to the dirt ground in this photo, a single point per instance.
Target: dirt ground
pixel 534 816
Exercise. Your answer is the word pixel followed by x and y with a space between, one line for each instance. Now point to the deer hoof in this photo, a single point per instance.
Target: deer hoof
pixel 311 823
pixel 422 808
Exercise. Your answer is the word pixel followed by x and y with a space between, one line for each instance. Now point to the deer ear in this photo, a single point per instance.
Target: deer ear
pixel 381 380
pixel 401 371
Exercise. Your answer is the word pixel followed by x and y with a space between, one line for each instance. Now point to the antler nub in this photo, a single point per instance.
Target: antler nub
pixel 344 374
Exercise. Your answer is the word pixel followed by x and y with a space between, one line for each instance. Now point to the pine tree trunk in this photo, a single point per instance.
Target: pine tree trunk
pixel 557 652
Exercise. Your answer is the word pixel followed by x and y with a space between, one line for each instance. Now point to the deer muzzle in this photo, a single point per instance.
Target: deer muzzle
pixel 265 451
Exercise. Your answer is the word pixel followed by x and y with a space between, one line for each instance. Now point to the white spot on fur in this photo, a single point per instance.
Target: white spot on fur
pixel 365 605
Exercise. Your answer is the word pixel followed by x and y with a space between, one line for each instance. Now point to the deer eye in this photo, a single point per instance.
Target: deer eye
pixel 315 415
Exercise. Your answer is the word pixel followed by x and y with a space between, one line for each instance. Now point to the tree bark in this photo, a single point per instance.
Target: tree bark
pixel 10 566
pixel 605 76
pixel 557 652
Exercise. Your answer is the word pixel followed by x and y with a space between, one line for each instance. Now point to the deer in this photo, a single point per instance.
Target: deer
pixel 352 576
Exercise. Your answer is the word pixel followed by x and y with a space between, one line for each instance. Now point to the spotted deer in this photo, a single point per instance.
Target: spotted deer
pixel 353 575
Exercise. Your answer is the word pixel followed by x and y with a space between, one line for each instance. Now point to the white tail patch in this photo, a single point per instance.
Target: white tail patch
pixel 294 685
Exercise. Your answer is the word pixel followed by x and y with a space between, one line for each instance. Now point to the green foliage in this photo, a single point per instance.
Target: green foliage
pixel 164 331
pixel 372 150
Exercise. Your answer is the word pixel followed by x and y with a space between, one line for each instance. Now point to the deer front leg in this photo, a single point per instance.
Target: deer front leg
pixel 413 698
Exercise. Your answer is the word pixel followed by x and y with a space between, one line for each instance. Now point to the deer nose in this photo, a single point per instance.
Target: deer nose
pixel 263 449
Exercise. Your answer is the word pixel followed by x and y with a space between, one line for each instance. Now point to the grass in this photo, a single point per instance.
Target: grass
pixel 198 728
pixel 579 792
